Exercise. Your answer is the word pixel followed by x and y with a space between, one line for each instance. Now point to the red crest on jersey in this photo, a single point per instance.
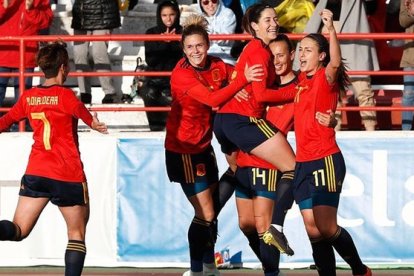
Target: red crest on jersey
pixel 201 169
pixel 215 74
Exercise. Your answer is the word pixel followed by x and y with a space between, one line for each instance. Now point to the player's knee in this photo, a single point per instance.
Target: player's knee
pixel 247 225
pixel 10 231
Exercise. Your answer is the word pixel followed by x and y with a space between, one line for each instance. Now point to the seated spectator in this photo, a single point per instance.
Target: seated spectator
pixel 221 20
pixel 407 62
pixel 95 17
pixel 21 18
pixel 351 17
pixel 161 56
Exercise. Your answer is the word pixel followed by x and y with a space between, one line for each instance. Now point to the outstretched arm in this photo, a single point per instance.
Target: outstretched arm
pixel 216 98
pixel 98 126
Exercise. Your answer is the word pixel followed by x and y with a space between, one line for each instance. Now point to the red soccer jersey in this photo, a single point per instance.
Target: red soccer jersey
pixel 53 113
pixel 314 141
pixel 189 123
pixel 255 52
pixel 282 117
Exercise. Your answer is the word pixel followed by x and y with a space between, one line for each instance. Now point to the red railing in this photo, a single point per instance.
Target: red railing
pixel 142 37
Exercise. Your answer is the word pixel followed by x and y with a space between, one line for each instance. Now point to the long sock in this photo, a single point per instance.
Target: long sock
pixel 324 257
pixel 224 190
pixel 200 241
pixel 269 256
pixel 284 198
pixel 254 242
pixel 9 231
pixel 344 245
pixel 208 256
pixel 74 258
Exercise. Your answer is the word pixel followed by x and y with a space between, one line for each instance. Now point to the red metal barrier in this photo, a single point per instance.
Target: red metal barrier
pixel 142 37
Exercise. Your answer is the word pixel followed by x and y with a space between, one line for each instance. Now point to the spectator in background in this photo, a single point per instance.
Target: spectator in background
pixel 351 17
pixel 221 20
pixel 95 17
pixel 161 56
pixel 21 18
pixel 407 62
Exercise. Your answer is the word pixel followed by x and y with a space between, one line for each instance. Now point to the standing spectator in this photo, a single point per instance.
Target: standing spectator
pixel 54 171
pixel 350 17
pixel 161 56
pixel 95 17
pixel 407 62
pixel 21 18
pixel 221 20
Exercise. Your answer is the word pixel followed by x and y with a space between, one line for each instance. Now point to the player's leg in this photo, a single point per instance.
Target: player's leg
pixel 25 217
pixel 76 218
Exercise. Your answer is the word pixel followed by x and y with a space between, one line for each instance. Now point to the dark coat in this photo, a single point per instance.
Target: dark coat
pixel 95 15
pixel 160 55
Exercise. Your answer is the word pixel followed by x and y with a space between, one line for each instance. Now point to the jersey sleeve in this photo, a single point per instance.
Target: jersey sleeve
pixel 260 91
pixel 15 114
pixel 74 106
pixel 200 92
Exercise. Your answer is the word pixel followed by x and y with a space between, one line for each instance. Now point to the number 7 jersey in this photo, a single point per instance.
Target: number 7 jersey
pixel 53 113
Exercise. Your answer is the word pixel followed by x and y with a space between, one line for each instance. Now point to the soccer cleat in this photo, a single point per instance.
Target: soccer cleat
pixel 276 238
pixel 368 273
pixel 191 273
pixel 210 272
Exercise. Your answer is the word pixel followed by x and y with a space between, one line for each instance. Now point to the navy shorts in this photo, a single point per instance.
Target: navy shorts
pixel 253 182
pixel 319 182
pixel 60 193
pixel 195 172
pixel 234 131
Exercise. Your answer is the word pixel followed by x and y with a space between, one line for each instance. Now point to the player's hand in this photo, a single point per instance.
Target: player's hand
pixel 253 73
pixel 242 95
pixel 98 126
pixel 6 3
pixel 326 119
pixel 327 19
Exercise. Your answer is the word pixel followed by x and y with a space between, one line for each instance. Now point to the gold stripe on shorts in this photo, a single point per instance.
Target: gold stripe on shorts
pixel 272 180
pixel 188 168
pixel 330 173
pixel 85 192
pixel 263 126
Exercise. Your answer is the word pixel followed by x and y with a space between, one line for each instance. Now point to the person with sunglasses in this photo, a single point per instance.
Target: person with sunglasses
pixel 221 20
pixel 54 171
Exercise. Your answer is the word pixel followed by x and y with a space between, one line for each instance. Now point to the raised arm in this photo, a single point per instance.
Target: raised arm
pixel 334 48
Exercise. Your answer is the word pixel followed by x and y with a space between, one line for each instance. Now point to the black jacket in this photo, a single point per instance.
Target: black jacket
pixel 159 55
pixel 95 15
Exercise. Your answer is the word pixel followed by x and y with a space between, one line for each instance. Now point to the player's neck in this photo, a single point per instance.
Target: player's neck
pixel 52 81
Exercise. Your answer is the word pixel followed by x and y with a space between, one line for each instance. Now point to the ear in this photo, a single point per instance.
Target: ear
pixel 322 56
pixel 254 26
pixel 292 55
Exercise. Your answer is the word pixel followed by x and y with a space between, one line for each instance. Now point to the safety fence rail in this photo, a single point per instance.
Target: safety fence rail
pixel 143 37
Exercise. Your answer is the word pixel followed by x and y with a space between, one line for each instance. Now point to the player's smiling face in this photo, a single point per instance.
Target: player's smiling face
pixel 195 48
pixel 267 26
pixel 283 59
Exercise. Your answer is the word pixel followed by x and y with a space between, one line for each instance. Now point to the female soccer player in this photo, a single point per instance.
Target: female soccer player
pixel 55 171
pixel 320 166
pixel 198 83
pixel 240 124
